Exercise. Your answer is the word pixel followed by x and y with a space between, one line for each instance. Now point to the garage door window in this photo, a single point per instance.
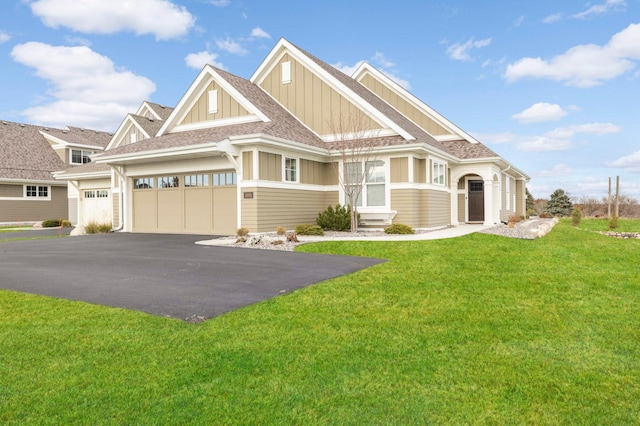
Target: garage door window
pixel 102 193
pixel 143 183
pixel 169 182
pixel 196 180
pixel 89 194
pixel 222 179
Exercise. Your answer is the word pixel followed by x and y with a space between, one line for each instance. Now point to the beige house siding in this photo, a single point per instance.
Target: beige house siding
pixel 438 208
pixel 399 169
pixel 407 203
pixel 36 210
pixel 462 207
pixel 132 129
pixel 73 210
pixel 11 190
pixel 228 107
pixel 317 173
pixel 273 207
pixel 270 166
pixel 310 99
pixel 419 170
pixel 521 197
pixel 247 165
pixel 403 106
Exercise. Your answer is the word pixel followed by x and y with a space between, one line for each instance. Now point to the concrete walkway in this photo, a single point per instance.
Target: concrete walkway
pixel 453 232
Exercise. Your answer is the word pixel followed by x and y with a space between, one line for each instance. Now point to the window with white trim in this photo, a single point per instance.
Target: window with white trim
pixel 374 185
pixel 438 173
pixel 196 180
pixel 226 178
pixel 290 169
pixel 285 68
pixel 36 191
pixel 213 101
pixel 79 156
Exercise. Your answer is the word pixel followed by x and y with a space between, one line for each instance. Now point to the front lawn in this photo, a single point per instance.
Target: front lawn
pixel 602 224
pixel 478 329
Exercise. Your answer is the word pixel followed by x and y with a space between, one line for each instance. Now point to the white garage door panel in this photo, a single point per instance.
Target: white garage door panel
pixel 97 209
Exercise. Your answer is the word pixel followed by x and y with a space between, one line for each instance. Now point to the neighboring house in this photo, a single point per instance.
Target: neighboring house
pixel 260 153
pixel 29 157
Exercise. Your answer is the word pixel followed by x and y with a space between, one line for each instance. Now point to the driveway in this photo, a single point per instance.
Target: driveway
pixel 165 275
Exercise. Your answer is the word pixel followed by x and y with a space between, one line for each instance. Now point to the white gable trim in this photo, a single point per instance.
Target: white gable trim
pixel 146 107
pixel 59 143
pixel 194 92
pixel 119 134
pixel 365 68
pixel 283 47
pixel 217 123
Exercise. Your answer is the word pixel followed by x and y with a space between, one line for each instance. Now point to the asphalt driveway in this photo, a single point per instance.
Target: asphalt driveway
pixel 165 275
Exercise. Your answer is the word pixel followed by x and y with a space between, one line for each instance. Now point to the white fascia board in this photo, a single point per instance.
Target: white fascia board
pixel 217 123
pixel 191 97
pixel 84 176
pixel 408 148
pixel 146 106
pixel 501 162
pixel 367 134
pixel 413 100
pixel 283 46
pixel 262 139
pixel 158 154
pixel 128 120
pixel 31 182
pixel 59 142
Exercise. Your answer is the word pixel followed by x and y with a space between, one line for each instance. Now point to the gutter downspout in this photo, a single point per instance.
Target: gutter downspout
pixel 122 180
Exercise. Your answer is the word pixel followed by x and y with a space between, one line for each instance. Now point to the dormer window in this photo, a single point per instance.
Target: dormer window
pixel 213 101
pixel 286 72
pixel 79 156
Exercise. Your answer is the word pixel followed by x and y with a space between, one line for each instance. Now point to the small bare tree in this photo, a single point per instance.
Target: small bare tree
pixel 353 147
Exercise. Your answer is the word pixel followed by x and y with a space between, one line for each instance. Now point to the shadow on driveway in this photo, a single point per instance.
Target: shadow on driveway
pixel 165 275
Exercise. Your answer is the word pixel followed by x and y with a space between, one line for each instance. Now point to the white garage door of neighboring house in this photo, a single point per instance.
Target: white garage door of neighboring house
pixel 97 206
pixel 203 203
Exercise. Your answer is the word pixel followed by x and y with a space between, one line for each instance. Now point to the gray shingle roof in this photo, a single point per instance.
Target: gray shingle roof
pixel 25 154
pixel 85 168
pixel 150 126
pixel 163 111
pixel 76 135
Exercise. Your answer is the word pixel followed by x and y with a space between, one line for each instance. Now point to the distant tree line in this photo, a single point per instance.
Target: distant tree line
pixel 561 203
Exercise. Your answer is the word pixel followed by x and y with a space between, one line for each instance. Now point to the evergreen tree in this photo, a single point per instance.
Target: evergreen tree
pixel 530 202
pixel 559 204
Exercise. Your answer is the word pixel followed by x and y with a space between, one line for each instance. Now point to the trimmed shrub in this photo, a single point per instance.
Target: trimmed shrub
pixel 281 230
pixel 309 229
pixel 613 222
pixel 242 232
pixel 51 223
pixel 335 219
pixel 576 217
pixel 399 228
pixel 66 223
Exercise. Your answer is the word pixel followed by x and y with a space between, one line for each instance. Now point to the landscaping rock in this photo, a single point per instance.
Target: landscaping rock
pixel 78 230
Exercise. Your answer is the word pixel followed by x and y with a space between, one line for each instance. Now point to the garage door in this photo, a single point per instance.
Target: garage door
pixel 97 206
pixel 203 203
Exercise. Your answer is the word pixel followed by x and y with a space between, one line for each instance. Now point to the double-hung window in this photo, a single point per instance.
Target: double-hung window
pixel 370 180
pixel 79 156
pixel 438 173
pixel 290 169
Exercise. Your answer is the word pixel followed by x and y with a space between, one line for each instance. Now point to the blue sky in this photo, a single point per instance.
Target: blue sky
pixel 552 86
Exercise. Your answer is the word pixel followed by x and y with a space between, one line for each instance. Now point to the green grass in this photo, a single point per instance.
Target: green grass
pixel 14 228
pixel 602 224
pixel 480 329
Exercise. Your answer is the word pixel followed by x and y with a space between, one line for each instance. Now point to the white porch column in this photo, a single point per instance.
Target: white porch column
pixel 489 210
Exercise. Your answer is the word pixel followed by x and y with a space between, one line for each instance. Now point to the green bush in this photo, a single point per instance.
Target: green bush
pixel 399 228
pixel 242 232
pixel 335 219
pixel 51 223
pixel 613 222
pixel 66 223
pixel 576 217
pixel 309 229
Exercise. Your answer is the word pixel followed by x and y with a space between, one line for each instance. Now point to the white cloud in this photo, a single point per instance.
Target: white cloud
pixel 539 112
pixel 561 138
pixel 630 162
pixel 231 46
pixel 258 32
pixel 347 69
pixel 518 21
pixel 87 88
pixel 585 65
pixel 219 3
pixel 200 59
pixel 552 18
pixel 557 170
pixel 4 37
pixel 381 60
pixel 462 51
pixel 600 9
pixel 161 18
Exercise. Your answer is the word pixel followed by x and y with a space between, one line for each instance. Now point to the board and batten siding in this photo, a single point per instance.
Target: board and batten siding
pixel 419 170
pixel 312 100
pixel 462 207
pixel 27 210
pixel 228 107
pixel 270 166
pixel 273 207
pixel 247 165
pixel 403 106
pixel 317 173
pixel 11 190
pixel 399 170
